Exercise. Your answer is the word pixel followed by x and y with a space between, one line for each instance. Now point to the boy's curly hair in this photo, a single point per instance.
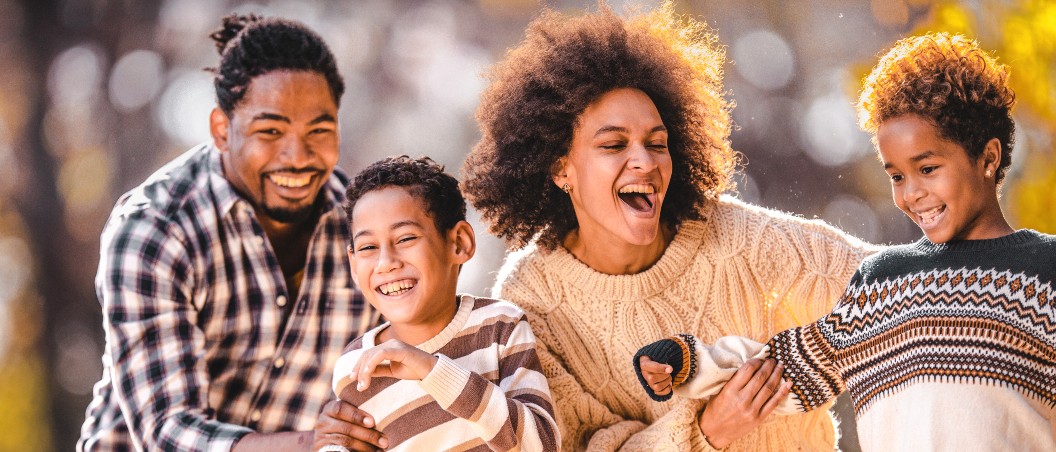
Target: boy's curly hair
pixel 528 113
pixel 949 81
pixel 422 177
pixel 251 45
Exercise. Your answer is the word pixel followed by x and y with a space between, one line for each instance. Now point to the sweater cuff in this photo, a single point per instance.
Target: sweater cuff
pixel 672 352
pixel 446 381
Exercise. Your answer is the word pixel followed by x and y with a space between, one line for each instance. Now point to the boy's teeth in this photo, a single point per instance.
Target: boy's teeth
pixel 291 181
pixel 637 188
pixel 394 287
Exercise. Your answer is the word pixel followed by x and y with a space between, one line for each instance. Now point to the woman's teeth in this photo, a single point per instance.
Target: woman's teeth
pixel 637 188
pixel 637 196
pixel 297 181
pixel 396 288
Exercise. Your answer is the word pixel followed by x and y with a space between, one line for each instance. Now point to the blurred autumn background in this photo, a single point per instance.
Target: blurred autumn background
pixel 96 94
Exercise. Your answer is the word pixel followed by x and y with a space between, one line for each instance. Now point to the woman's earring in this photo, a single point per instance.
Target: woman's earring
pixel 987 173
pixel 565 188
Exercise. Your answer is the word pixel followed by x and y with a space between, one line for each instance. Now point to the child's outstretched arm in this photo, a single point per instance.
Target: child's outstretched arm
pixel 684 366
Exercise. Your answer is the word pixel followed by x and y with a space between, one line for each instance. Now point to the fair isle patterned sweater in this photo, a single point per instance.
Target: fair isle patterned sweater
pixel 941 346
pixel 486 392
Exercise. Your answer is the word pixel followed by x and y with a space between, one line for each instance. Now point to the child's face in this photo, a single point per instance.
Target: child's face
pixel 406 268
pixel 936 183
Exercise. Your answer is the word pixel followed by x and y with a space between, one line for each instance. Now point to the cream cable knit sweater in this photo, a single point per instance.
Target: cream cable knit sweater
pixel 744 271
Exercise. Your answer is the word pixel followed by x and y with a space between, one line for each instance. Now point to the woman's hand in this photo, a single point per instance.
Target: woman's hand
pixel 405 362
pixel 342 424
pixel 744 403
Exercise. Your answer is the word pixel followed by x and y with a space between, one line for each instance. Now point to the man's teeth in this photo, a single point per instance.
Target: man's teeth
pixel 395 288
pixel 637 188
pixel 928 216
pixel 290 181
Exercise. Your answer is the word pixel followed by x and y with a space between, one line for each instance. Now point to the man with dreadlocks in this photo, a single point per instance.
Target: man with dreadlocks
pixel 223 278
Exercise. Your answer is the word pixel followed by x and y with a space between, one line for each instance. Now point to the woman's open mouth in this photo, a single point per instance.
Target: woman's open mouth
pixel 639 197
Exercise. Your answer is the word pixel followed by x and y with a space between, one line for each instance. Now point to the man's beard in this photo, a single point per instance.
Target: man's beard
pixel 294 215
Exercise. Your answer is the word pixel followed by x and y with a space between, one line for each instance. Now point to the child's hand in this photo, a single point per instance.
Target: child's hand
pixel 657 375
pixel 405 362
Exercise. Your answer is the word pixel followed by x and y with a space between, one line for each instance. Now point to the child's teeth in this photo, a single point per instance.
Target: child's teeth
pixel 929 216
pixel 393 287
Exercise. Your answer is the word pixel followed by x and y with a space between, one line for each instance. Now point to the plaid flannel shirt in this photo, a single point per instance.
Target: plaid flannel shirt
pixel 193 299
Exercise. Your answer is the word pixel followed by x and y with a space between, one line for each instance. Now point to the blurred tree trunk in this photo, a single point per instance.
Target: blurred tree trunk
pixel 65 264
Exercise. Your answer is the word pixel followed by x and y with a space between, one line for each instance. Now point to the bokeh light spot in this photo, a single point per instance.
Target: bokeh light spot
pixel 75 75
pixel 84 180
pixel 764 59
pixel 136 79
pixel 184 106
pixel 830 135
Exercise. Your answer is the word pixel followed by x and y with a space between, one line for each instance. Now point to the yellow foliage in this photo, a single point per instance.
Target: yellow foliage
pixel 1026 41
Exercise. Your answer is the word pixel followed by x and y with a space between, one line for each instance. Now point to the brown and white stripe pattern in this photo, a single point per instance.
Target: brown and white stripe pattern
pixel 486 392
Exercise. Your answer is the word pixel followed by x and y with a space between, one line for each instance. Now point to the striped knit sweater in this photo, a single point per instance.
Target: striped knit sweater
pixel 486 392
pixel 941 346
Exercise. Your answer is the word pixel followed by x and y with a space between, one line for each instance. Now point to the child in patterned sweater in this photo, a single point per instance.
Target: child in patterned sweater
pixel 445 371
pixel 948 343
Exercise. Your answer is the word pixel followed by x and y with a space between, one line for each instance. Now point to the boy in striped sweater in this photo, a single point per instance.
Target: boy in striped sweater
pixel 948 343
pixel 445 371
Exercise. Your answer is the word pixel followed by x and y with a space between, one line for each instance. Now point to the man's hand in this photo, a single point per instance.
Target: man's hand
pixel 343 424
pixel 744 402
pixel 405 362
pixel 657 375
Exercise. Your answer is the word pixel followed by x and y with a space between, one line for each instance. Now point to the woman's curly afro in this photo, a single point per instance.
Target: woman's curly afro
pixel 529 111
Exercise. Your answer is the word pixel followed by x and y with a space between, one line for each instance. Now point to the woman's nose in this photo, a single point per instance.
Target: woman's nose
pixel 641 158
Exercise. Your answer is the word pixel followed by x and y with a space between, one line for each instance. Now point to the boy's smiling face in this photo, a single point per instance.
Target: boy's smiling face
pixel 937 184
pixel 406 268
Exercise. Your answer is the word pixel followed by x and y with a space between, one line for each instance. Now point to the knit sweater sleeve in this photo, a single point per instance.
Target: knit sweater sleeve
pixel 710 366
pixel 804 266
pixel 584 422
pixel 587 424
pixel 809 356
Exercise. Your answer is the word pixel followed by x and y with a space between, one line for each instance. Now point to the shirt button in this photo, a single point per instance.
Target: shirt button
pixel 279 362
pixel 255 416
pixel 281 301
pixel 258 240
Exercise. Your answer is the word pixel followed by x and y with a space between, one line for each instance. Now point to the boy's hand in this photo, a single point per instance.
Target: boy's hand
pixel 657 375
pixel 405 362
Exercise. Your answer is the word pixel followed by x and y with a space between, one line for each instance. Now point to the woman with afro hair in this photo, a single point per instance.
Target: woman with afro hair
pixel 605 149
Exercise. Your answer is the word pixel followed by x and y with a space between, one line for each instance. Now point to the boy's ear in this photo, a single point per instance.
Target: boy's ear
pixel 463 241
pixel 219 127
pixel 991 157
